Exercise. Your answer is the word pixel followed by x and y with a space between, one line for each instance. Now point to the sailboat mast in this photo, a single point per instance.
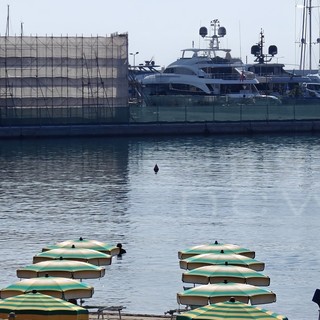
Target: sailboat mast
pixel 310 37
pixel 306 36
pixel 303 37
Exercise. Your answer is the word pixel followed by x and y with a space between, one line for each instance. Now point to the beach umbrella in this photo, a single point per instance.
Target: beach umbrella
pixel 206 259
pixel 221 273
pixel 63 288
pixel 232 310
pixel 86 244
pixel 215 248
pixel 86 255
pixel 62 268
pixel 220 292
pixel 37 306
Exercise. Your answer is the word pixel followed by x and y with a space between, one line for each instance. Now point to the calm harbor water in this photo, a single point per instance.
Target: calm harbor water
pixel 260 192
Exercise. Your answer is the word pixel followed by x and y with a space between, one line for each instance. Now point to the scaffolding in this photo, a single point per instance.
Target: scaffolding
pixel 48 79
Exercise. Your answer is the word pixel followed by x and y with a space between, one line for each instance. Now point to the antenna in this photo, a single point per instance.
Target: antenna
pixel 218 32
pixel 240 39
pixel 8 21
pixel 257 51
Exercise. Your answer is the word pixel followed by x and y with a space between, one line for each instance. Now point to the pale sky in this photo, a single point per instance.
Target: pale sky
pixel 159 29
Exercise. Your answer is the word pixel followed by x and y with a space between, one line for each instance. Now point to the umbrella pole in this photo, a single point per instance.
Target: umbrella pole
pixel 11 316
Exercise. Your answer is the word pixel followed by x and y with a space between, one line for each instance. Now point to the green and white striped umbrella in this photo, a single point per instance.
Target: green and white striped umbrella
pixel 221 273
pixel 86 255
pixel 231 310
pixel 220 292
pixel 215 248
pixel 62 268
pixel 206 259
pixel 63 288
pixel 37 306
pixel 86 244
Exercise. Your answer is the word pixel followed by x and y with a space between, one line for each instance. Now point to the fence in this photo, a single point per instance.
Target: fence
pixel 135 114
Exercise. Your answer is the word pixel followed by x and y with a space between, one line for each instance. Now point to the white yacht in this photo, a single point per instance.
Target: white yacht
pixel 210 72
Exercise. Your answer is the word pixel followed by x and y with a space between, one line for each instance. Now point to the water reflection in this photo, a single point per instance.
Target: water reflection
pixel 260 192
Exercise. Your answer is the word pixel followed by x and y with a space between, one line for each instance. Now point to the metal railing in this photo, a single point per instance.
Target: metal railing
pixel 179 112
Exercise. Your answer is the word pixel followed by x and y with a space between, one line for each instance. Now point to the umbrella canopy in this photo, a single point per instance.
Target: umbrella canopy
pixel 62 268
pixel 86 255
pixel 220 292
pixel 221 273
pixel 206 259
pixel 215 248
pixel 57 287
pixel 232 310
pixel 86 244
pixel 37 306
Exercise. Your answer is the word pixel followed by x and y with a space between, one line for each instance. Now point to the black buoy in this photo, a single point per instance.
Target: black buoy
pixel 156 168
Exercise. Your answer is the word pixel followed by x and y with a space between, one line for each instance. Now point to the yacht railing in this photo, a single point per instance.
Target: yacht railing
pixel 226 76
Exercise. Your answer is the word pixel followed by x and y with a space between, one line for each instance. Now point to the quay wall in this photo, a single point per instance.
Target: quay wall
pixel 144 129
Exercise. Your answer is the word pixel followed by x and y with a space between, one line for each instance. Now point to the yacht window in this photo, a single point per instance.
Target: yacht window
pixel 234 88
pixel 179 71
pixel 263 70
pixel 169 70
pixel 221 73
pixel 184 87
pixel 313 86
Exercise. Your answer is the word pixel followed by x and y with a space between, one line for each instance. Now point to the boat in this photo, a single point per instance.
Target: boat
pixel 205 76
pixel 135 75
pixel 312 89
pixel 272 77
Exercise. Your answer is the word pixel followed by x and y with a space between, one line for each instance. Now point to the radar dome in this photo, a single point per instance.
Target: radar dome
pixel 203 32
pixel 222 31
pixel 273 50
pixel 255 50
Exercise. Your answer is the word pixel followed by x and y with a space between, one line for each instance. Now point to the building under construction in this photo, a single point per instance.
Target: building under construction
pixel 63 80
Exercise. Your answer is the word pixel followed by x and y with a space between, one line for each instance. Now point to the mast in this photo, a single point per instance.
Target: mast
pixel 303 38
pixel 306 36
pixel 257 51
pixel 310 36
pixel 8 22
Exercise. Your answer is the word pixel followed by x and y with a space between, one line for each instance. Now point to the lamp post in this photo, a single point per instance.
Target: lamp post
pixel 134 57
